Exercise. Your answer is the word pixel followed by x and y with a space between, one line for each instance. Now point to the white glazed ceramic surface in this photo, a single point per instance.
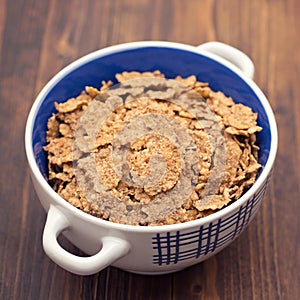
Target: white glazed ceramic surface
pixel 155 249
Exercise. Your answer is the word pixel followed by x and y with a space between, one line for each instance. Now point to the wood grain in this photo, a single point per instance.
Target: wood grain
pixel 38 38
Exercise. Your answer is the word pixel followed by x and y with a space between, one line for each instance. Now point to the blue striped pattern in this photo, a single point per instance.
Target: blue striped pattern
pixel 173 247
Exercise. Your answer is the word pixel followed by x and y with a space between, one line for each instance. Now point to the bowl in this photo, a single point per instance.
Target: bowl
pixel 148 249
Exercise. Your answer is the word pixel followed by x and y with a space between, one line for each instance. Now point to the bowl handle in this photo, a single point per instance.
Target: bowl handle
pixel 112 247
pixel 232 55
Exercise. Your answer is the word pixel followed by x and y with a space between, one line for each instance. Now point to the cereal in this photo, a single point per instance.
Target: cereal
pixel 60 151
pixel 133 75
pixel 149 154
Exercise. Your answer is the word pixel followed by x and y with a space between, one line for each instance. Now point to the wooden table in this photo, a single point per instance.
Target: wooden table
pixel 38 38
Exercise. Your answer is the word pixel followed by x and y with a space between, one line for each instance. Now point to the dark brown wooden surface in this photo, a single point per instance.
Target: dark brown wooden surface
pixel 38 38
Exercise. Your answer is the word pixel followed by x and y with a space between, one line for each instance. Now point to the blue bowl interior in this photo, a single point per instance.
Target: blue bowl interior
pixel 171 62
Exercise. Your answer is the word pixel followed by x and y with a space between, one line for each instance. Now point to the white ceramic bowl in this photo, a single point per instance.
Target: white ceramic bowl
pixel 152 249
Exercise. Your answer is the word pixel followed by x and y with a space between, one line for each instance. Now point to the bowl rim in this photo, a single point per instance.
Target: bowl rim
pixel 59 201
